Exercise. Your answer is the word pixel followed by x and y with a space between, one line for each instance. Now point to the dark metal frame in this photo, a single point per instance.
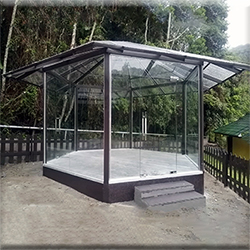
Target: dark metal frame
pixel 107 117
pixel 201 116
pixel 44 118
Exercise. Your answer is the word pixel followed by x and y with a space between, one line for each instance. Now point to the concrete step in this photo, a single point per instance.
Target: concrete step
pixel 168 196
pixel 173 202
pixel 155 190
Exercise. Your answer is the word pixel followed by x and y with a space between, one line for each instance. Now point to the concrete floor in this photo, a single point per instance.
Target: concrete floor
pixel 124 163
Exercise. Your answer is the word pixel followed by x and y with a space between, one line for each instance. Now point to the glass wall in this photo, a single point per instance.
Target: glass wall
pixel 187 124
pixel 60 118
pixel 91 119
pixel 192 140
pixel 154 118
pixel 75 118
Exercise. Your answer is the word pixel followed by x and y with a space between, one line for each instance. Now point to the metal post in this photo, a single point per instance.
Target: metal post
pixel 184 119
pixel 44 118
pixel 131 118
pixel 107 117
pixel 76 119
pixel 201 117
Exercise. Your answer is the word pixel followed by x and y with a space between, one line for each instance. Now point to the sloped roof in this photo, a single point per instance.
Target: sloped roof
pixel 239 128
pixel 215 71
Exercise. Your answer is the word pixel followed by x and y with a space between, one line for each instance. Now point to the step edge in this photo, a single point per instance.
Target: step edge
pixel 179 201
pixel 163 188
pixel 169 182
pixel 176 192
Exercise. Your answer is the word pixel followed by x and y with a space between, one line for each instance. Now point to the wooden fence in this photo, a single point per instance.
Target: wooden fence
pixel 30 149
pixel 17 150
pixel 231 170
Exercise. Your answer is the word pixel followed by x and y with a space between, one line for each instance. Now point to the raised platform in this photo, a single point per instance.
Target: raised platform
pixel 124 164
pixel 83 171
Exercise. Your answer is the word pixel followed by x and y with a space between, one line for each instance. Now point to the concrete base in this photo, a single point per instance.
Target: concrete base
pixel 116 192
pixel 83 171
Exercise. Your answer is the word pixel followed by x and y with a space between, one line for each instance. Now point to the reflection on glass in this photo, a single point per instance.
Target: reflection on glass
pixel 154 118
pixel 60 121
pixel 192 143
pixel 75 118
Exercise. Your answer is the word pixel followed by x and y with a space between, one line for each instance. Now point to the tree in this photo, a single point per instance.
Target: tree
pixel 40 32
pixel 226 103
pixel 7 49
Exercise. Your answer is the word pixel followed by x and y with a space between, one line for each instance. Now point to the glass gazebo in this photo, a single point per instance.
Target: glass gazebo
pixel 119 115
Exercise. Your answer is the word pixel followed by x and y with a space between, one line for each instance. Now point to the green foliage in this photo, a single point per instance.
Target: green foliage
pixel 226 103
pixel 23 107
pixel 241 53
pixel 199 27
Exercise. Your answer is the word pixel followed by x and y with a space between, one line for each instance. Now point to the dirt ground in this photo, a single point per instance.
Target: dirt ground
pixel 37 211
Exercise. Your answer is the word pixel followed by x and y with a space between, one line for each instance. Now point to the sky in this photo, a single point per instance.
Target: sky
pixel 239 22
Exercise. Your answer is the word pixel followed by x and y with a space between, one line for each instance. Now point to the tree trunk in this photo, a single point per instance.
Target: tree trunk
pixel 63 109
pixel 7 49
pixel 73 42
pixel 70 108
pixel 169 27
pixel 146 31
pixel 92 32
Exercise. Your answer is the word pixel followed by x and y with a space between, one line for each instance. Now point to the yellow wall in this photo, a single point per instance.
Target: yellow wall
pixel 241 148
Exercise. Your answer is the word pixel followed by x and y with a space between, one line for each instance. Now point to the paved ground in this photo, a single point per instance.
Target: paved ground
pixel 39 212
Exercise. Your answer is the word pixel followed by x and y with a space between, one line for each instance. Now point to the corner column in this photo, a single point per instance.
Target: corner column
pixel 76 119
pixel 107 119
pixel 44 117
pixel 131 118
pixel 201 117
pixel 184 119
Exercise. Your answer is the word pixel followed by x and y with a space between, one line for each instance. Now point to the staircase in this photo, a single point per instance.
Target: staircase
pixel 169 196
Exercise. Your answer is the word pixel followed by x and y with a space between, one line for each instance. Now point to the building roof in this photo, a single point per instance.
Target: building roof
pixel 180 64
pixel 239 128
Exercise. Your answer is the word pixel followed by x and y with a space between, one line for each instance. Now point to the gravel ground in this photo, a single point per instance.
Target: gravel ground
pixel 38 212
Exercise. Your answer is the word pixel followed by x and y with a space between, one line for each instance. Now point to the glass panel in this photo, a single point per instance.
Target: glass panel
pixel 60 123
pixel 192 143
pixel 125 126
pixel 85 157
pixel 218 72
pixel 82 69
pixel 181 163
pixel 35 78
pixel 90 121
pixel 152 98
pixel 187 125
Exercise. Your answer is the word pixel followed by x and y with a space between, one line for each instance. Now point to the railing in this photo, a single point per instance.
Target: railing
pixel 231 170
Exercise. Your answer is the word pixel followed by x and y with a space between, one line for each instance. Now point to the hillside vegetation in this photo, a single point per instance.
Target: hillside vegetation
pixel 42 31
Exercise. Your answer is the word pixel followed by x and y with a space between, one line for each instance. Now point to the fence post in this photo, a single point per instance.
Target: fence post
pixel 34 151
pixel 41 150
pixel 205 157
pixel 12 151
pixel 3 149
pixel 225 167
pixel 248 185
pixel 28 150
pixel 19 149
